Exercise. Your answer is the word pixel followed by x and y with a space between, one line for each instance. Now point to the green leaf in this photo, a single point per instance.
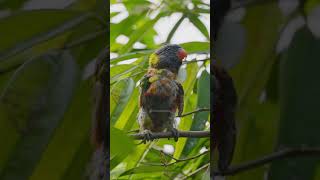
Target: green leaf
pixel 311 5
pixel 17 41
pixel 12 4
pixel 299 105
pixel 146 169
pixel 125 73
pixel 200 118
pixel 120 146
pixel 125 27
pixel 189 105
pixel 174 29
pixel 199 25
pixel 250 77
pixel 15 61
pixel 118 69
pixel 34 101
pixel 130 110
pixel 79 161
pixel 119 96
pixel 196 47
pixel 74 137
pixel 132 55
pixel 136 6
pixel 138 34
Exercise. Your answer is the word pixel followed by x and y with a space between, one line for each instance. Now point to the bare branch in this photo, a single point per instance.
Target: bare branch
pixel 195 111
pixel 186 159
pixel 195 61
pixel 197 171
pixel 282 154
pixel 176 160
pixel 158 135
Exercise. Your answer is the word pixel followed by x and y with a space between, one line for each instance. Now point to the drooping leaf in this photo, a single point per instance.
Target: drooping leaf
pixel 200 118
pixel 121 146
pixel 199 25
pixel 298 105
pixel 120 94
pixel 39 102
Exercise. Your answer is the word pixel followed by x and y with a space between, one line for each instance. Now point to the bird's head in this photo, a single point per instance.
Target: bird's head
pixel 168 57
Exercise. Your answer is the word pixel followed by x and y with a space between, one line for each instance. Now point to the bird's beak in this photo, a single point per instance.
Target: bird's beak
pixel 182 54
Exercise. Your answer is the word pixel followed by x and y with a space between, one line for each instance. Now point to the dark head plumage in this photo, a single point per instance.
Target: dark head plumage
pixel 168 57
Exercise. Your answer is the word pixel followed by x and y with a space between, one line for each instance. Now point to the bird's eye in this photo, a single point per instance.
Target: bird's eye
pixel 182 54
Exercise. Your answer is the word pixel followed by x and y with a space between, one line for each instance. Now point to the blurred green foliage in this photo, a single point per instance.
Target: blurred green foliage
pixel 46 59
pixel 276 82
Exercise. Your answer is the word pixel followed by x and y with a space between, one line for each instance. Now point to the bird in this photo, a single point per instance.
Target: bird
pixel 161 95
pixel 224 108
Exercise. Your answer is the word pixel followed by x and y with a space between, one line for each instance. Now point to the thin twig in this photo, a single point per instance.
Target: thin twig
pixel 168 134
pixel 195 61
pixel 196 111
pixel 176 160
pixel 281 154
pixel 186 159
pixel 196 171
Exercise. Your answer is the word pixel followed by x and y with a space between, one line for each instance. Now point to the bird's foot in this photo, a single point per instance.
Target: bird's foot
pixel 175 134
pixel 147 136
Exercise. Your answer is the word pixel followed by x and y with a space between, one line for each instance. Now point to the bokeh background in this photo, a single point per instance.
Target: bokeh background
pixel 271 49
pixel 138 28
pixel 47 50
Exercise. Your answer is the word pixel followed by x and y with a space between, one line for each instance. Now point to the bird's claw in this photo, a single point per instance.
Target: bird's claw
pixel 147 136
pixel 175 134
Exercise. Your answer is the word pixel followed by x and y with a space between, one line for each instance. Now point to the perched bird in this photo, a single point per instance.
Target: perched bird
pixel 224 106
pixel 161 95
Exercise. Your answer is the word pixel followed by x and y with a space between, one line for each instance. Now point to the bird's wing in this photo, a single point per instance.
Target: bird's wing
pixel 144 86
pixel 160 92
pixel 180 98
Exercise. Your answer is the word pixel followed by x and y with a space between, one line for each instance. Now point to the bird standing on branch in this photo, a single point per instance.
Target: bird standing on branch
pixel 161 95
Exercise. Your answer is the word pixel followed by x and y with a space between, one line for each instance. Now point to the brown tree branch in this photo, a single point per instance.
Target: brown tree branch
pixel 195 61
pixel 282 154
pixel 186 159
pixel 196 171
pixel 158 135
pixel 195 111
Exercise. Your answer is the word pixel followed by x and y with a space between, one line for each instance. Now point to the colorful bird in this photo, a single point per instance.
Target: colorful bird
pixel 161 95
